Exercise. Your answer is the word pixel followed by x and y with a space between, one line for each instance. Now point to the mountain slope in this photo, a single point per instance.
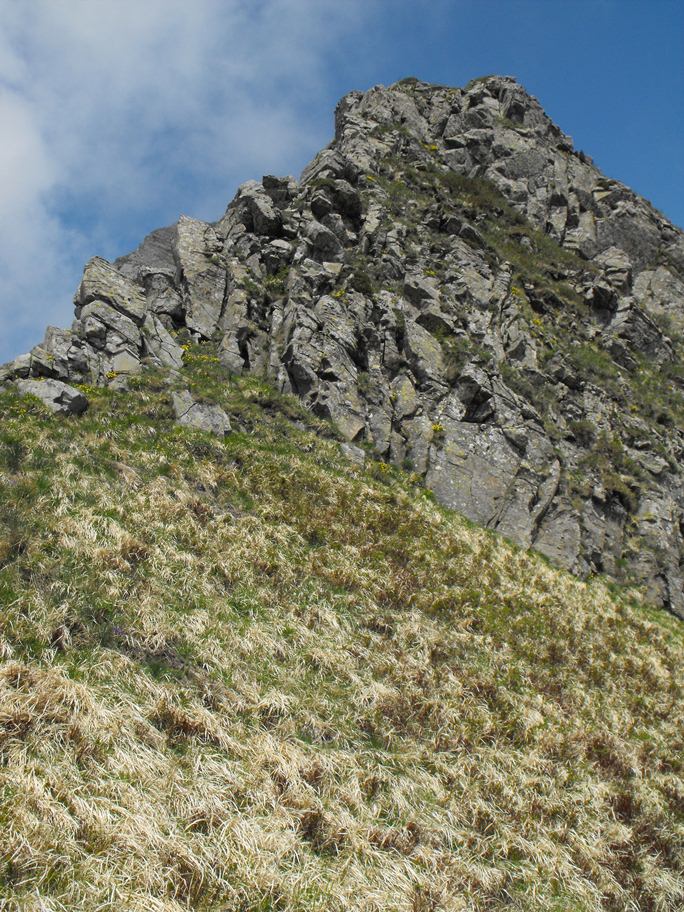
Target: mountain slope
pixel 244 673
pixel 453 284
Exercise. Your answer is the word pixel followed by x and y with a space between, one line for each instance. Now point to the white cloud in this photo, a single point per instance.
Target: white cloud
pixel 115 112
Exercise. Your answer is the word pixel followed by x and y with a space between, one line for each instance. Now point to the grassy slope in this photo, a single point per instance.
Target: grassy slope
pixel 246 675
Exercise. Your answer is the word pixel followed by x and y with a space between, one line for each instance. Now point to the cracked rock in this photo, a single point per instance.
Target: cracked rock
pixel 57 396
pixel 200 415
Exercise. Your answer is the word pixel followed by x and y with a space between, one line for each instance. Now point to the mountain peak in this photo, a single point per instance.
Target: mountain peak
pixel 455 287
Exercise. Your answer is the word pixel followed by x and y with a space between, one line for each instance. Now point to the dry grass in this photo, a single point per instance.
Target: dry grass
pixel 248 676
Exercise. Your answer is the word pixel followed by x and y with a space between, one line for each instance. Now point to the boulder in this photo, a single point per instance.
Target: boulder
pixel 59 397
pixel 353 453
pixel 200 415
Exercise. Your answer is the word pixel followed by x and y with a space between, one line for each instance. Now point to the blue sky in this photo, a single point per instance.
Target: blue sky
pixel 119 115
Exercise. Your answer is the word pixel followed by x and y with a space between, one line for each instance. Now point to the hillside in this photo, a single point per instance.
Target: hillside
pixel 336 538
pixel 454 284
pixel 244 673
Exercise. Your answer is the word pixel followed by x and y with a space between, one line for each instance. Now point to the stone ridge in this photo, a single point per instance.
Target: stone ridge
pixel 456 286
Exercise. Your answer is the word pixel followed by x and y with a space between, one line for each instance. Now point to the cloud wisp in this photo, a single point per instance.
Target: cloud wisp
pixel 118 115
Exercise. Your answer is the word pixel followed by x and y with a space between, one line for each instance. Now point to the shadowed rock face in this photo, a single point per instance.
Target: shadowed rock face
pixel 453 283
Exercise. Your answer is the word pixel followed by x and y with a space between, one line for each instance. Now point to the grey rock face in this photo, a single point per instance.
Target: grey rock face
pixel 161 344
pixel 199 415
pixel 57 396
pixel 102 282
pixel 454 284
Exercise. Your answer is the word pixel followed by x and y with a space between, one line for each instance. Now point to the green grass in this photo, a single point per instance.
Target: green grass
pixel 244 674
pixel 593 363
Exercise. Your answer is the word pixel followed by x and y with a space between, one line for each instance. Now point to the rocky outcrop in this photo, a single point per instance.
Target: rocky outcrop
pixel 453 284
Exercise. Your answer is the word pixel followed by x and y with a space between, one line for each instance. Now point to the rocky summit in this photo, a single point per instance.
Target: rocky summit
pixel 254 657
pixel 461 293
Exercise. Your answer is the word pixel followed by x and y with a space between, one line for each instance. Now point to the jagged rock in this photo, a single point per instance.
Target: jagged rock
pixel 472 472
pixel 281 190
pixel 321 204
pixel 404 396
pixel 255 208
pixel 154 257
pixel 324 244
pixel 337 196
pixel 202 275
pixel 53 357
pixel 57 396
pixel 630 324
pixel 103 326
pixel 161 343
pixel 475 392
pixel 102 282
pixel 453 285
pixel 660 291
pixel 230 354
pixel 617 269
pixel 559 536
pixel 199 415
pixel 419 289
pixel 277 254
pixel 470 234
pixel 19 367
pixel 517 340
pixel 558 369
pixel 424 353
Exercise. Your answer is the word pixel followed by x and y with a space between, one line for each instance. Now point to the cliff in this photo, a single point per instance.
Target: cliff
pixel 456 288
